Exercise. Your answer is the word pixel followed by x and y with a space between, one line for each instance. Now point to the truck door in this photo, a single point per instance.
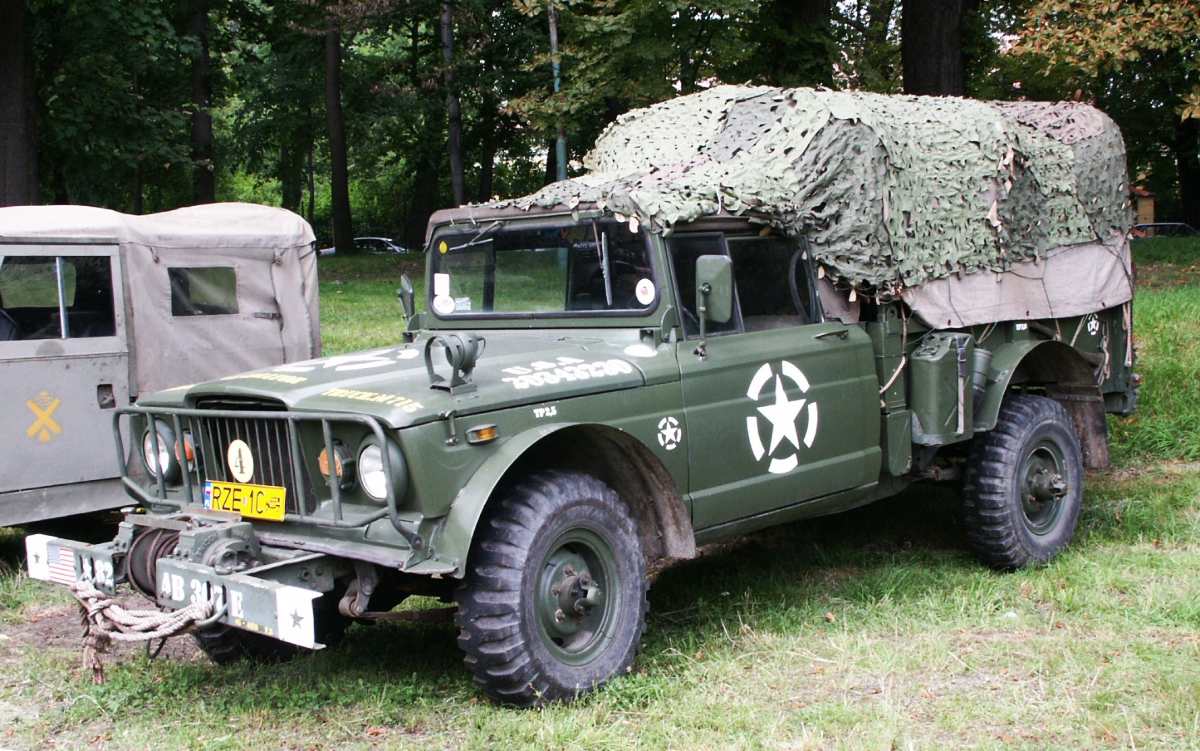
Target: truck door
pixel 64 364
pixel 782 407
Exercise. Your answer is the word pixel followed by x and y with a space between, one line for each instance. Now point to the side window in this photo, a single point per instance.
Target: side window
pixel 29 297
pixel 684 251
pixel 205 291
pixel 772 282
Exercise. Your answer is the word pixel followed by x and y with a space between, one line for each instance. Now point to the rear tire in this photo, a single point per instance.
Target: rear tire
pixel 554 601
pixel 1023 485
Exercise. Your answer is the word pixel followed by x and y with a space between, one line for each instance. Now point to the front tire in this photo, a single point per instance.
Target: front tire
pixel 554 601
pixel 1023 485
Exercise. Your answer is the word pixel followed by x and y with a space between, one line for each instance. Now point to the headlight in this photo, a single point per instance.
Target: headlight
pixel 371 475
pixel 160 461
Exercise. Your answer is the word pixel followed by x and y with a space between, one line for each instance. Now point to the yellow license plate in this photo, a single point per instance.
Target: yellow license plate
pixel 252 501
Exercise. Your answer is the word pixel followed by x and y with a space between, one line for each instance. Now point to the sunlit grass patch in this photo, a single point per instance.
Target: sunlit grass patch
pixel 1167 338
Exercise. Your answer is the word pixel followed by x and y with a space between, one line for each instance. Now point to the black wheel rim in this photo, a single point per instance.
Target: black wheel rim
pixel 576 596
pixel 1044 486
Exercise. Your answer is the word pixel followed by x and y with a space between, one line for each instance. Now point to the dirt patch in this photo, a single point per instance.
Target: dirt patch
pixel 59 629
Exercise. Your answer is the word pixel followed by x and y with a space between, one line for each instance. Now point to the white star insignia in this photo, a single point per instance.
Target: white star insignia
pixel 782 416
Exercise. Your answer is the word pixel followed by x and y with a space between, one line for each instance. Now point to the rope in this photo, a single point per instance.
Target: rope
pixel 895 374
pixel 105 622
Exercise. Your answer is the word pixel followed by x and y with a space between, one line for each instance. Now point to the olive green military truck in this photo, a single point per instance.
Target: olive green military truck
pixel 759 306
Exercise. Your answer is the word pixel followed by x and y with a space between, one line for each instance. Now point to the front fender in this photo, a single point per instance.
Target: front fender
pixel 452 541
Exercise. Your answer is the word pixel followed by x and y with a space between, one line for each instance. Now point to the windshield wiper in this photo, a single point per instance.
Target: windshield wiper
pixel 478 238
pixel 602 246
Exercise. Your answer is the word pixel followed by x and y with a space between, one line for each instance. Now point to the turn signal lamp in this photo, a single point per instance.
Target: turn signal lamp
pixel 185 451
pixel 340 463
pixel 482 434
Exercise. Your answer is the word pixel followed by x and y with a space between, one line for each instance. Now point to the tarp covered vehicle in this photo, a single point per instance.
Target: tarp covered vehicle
pixel 97 308
pixel 760 305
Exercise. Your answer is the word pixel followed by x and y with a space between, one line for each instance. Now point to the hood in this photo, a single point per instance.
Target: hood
pixel 393 385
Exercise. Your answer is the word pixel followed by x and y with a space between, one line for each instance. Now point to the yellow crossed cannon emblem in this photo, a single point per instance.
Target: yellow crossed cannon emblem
pixel 44 427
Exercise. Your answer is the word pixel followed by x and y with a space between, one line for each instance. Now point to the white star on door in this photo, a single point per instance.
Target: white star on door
pixel 782 416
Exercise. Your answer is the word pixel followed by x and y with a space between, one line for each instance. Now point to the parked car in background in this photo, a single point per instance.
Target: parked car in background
pixel 97 308
pixel 1163 229
pixel 371 246
pixel 379 245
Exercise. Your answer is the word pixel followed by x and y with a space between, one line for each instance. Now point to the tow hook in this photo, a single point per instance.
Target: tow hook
pixel 357 599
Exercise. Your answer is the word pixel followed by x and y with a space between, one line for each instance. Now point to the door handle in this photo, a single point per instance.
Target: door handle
pixel 839 333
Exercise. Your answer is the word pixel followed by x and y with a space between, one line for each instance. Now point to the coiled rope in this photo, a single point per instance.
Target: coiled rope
pixel 105 622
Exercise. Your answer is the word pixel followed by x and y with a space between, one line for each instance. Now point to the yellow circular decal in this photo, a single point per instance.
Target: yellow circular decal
pixel 443 247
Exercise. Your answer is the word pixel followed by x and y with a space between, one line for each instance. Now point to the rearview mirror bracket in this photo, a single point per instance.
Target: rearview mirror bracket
pixel 408 304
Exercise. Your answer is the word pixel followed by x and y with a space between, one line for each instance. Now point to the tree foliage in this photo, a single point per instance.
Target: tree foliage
pixel 1140 62
pixel 1108 36
pixel 117 95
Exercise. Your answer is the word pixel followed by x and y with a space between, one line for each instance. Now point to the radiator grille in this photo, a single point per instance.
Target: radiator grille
pixel 269 442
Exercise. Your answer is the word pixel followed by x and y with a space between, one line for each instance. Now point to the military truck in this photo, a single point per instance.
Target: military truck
pixel 689 343
pixel 98 308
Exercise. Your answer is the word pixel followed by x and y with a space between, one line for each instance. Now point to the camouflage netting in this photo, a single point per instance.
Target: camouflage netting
pixel 892 191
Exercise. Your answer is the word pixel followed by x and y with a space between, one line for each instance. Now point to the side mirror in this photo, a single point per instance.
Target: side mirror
pixel 407 298
pixel 714 288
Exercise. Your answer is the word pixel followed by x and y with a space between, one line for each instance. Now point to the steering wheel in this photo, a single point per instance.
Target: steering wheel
pixel 9 329
pixel 794 285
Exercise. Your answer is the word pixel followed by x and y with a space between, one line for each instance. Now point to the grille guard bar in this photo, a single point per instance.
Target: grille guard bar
pixel 172 417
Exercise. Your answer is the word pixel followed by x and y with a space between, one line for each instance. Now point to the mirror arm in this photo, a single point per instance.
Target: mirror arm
pixel 701 350
pixel 407 305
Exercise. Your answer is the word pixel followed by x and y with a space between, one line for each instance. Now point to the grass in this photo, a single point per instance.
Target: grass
pixel 1167 341
pixel 873 629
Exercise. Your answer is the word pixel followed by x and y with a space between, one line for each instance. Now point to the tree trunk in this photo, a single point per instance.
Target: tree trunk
pixel 1187 161
pixel 487 152
pixel 311 173
pixel 62 193
pixel 18 140
pixel 560 141
pixel 139 189
pixel 551 163
pixel 204 183
pixel 453 108
pixel 797 42
pixel 291 174
pixel 424 199
pixel 343 233
pixel 931 50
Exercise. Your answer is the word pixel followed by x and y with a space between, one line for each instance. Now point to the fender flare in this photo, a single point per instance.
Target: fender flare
pixel 623 461
pixel 1064 362
pixel 453 538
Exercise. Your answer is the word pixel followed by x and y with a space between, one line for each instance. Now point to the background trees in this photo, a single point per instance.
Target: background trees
pixel 367 115
pixel 18 144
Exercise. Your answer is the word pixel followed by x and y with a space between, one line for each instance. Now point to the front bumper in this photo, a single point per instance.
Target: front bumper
pixel 278 610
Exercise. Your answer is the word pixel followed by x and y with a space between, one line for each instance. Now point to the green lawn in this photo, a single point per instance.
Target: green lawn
pixel 874 629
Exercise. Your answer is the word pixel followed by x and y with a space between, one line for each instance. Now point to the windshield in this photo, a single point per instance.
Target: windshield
pixel 566 268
